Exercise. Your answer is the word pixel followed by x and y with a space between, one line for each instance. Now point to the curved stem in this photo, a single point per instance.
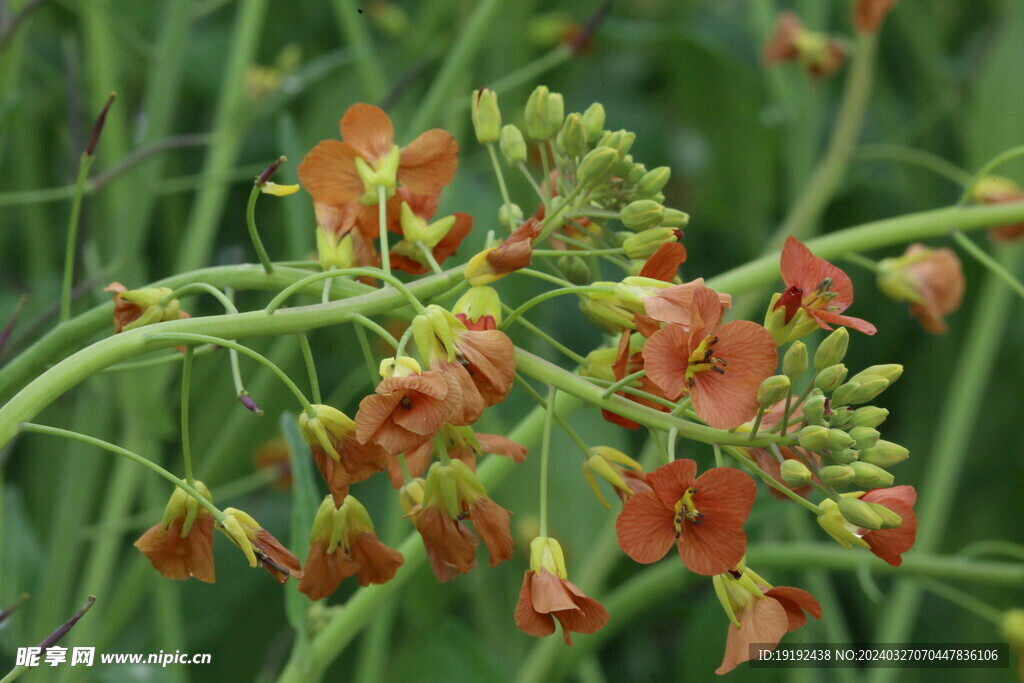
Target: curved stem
pixel 257 243
pixel 382 218
pixel 364 347
pixel 543 403
pixel 541 275
pixel 125 453
pixel 278 300
pixel 993 163
pixel 768 479
pixel 554 343
pixel 533 181
pixel 196 288
pixel 72 239
pixel 917 157
pixel 625 381
pixel 428 254
pixel 983 257
pixel 964 600
pixel 186 383
pixel 363 321
pixel 245 350
pixel 175 357
pixel 307 356
pixel 541 298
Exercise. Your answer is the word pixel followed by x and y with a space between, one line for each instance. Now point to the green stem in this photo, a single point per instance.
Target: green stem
pixel 917 157
pixel 124 453
pixel 70 248
pixel 428 254
pixel 545 456
pixel 994 163
pixel 986 260
pixel 533 181
pixel 175 357
pixel 542 402
pixel 501 181
pixel 278 300
pixel 757 422
pixel 541 275
pixel 965 600
pixel 187 338
pixel 197 287
pixel 625 381
pixel 364 346
pixel 254 235
pixel 768 479
pixel 584 253
pixel 363 321
pixel 382 218
pixel 186 383
pixel 554 343
pixel 404 341
pixel 307 356
pixel 541 298
pixel 862 261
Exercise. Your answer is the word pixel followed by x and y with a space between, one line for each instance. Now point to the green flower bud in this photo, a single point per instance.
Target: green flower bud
pixel 593 121
pixel 860 513
pixel 621 141
pixel 830 378
pixel 840 418
pixel 836 476
pixel 839 440
pixel 794 473
pixel 890 373
pixel 833 349
pixel 794 363
pixel 597 166
pixel 575 269
pixel 870 476
pixel 623 167
pixel 772 390
pixel 544 113
pixel 606 312
pixel 843 457
pixel 869 389
pixel 890 520
pixel 884 454
pixel 486 116
pixel 814 406
pixel 864 437
pixel 653 181
pixel 507 220
pixel 642 214
pixel 635 173
pixel 813 438
pixel 642 245
pixel 512 145
pixel 842 395
pixel 869 416
pixel 674 218
pixel 572 139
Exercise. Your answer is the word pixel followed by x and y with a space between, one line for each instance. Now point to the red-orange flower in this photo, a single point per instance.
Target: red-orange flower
pixel 260 546
pixel 442 238
pixel 489 358
pixel 547 595
pixel 329 172
pixel 869 14
pixel 999 190
pixel 181 545
pixel 817 288
pixel 720 367
pixel 407 410
pixel 341 458
pixel 450 546
pixel 792 42
pixel 343 543
pixel 512 254
pixel 703 516
pixel 890 544
pixel 137 307
pixel 462 445
pixel 931 279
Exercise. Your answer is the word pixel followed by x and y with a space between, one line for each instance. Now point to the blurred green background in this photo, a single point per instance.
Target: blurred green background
pixel 210 91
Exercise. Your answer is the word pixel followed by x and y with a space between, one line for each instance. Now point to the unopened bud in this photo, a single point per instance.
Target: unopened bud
pixel 572 139
pixel 411 494
pixel 633 176
pixel 869 389
pixel 674 218
pixel 486 116
pixel 97 127
pixel 510 221
pixel 794 363
pixel 813 438
pixel 642 245
pixel 836 476
pixel 843 457
pixel 512 145
pixel 544 113
pixel 814 407
pixel 860 513
pixel 869 416
pixel 884 454
pixel 870 476
pixel 830 377
pixel 833 349
pixel 839 440
pixel 864 437
pixel 890 520
pixel 844 393
pixel 597 166
pixel 1012 627
pixel 621 141
pixel 890 373
pixel 772 390
pixel 575 269
pixel 794 473
pixel 653 181
pixel 642 214
pixel 593 121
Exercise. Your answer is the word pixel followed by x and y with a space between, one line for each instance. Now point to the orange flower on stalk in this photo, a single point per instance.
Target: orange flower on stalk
pixel 547 594
pixel 759 613
pixel 137 307
pixel 930 279
pixel 409 407
pixel 409 215
pixel 890 544
pixel 817 293
pixel 337 173
pixel 869 14
pixel 720 367
pixel 999 190
pixel 702 516
pixel 342 544
pixel 181 545
pixel 341 458
pixel 514 253
pixel 462 444
pixel 819 54
pixel 260 546
pixel 451 494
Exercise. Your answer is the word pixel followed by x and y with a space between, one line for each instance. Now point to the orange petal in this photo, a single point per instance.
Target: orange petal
pixel 329 173
pixel 499 445
pixel 728 400
pixel 671 482
pixel 490 360
pixel 664 263
pixel 549 593
pixel 378 563
pixel 181 558
pixel 428 163
pixel 589 616
pixel 803 269
pixel 470 403
pixel 368 129
pixel 890 544
pixel 529 620
pixel 645 528
pixel 324 573
pixel 374 410
pixel 492 523
pixel 724 496
pixel 335 475
pixel 449 540
pixel 275 558
pixel 665 359
pixel 764 622
pixel 795 601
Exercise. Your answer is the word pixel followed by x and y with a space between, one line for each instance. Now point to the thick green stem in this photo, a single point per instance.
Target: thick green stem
pixel 278 300
pixel 72 239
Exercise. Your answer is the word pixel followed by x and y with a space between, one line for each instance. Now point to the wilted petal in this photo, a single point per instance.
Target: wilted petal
pixel 325 572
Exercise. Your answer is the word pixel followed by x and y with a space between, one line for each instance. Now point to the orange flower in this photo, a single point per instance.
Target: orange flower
pixel 869 14
pixel 931 279
pixel 999 190
pixel 792 42
pixel 720 367
pixel 341 458
pixel 138 307
pixel 479 309
pixel 182 544
pixel 260 546
pixel 890 544
pixel 547 595
pixel 451 547
pixel 337 173
pixel 816 289
pixel 489 358
pixel 409 217
pixel 703 516
pixel 409 408
pixel 343 543
pixel 514 253
pixel 626 363
pixel 759 614
pixel 462 444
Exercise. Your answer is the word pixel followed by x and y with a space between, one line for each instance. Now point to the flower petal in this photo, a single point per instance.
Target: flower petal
pixel 889 544
pixel 645 528
pixel 664 263
pixel 428 163
pixel 729 399
pixel 491 521
pixel 324 573
pixel 724 496
pixel 763 622
pixel 529 620
pixel 665 359
pixel 368 129
pixel 329 173
pixel 795 601
pixel 671 482
pixel 803 269
pixel 377 562
pixel 822 317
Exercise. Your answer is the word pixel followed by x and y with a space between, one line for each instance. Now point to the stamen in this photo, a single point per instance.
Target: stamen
pixel 717 369
pixel 406 403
